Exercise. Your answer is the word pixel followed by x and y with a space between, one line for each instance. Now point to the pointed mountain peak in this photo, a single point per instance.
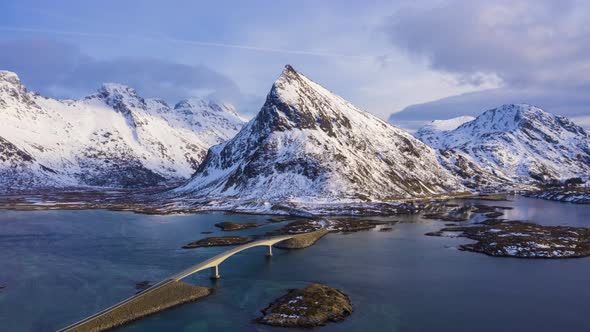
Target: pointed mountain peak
pixel 510 117
pixel 10 83
pixel 11 88
pixel 289 71
pixel 120 97
pixel 116 89
pixel 291 83
pixel 296 101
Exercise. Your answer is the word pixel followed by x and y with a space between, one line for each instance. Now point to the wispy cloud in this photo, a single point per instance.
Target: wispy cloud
pixel 186 42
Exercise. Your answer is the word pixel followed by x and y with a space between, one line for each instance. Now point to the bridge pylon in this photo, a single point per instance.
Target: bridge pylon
pixel 215 272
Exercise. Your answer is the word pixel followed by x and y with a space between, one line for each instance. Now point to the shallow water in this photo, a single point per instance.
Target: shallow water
pixel 59 266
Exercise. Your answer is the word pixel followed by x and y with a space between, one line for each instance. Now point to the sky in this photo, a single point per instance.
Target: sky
pixel 428 59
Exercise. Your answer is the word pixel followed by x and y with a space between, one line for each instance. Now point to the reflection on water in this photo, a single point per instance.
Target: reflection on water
pixel 59 266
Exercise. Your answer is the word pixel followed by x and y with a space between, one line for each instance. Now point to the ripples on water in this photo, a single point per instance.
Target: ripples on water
pixel 59 266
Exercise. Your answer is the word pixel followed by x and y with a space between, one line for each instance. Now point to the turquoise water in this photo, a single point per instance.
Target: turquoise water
pixel 59 266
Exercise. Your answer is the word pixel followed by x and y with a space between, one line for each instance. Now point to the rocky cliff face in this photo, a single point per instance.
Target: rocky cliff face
pixel 113 138
pixel 515 144
pixel 307 143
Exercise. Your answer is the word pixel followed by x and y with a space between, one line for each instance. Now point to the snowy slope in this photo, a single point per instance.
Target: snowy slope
pixel 431 133
pixel 112 138
pixel 213 122
pixel 308 144
pixel 514 144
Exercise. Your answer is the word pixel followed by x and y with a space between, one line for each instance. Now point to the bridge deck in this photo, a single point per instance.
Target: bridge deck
pixel 218 259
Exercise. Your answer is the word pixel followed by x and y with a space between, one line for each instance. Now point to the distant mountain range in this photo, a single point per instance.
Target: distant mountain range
pixel 113 138
pixel 305 145
pixel 514 145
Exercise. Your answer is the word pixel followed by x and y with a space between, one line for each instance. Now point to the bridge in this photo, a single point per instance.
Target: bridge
pixel 139 299
pixel 214 262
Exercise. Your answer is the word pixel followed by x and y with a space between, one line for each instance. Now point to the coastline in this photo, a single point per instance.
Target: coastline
pixel 165 297
pixel 150 203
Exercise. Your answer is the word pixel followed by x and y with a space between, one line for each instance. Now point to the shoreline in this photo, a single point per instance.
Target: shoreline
pixel 170 295
pixel 439 203
pixel 120 201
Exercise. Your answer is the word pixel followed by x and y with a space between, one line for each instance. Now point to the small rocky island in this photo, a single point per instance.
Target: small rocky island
pixel 460 213
pixel 522 239
pixel 218 241
pixel 229 226
pixel 313 305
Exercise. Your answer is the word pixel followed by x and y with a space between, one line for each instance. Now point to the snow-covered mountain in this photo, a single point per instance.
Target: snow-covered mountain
pixel 308 144
pixel 112 138
pixel 513 144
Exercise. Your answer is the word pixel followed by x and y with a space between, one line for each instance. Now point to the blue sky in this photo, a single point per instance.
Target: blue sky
pixel 381 55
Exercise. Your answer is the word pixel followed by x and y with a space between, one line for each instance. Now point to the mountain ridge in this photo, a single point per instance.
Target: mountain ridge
pixel 515 144
pixel 112 138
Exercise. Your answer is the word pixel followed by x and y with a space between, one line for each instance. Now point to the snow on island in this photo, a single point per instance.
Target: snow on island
pixel 522 239
pixel 307 307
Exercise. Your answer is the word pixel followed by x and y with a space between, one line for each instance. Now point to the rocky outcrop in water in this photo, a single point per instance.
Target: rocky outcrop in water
pixel 218 241
pixel 314 305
